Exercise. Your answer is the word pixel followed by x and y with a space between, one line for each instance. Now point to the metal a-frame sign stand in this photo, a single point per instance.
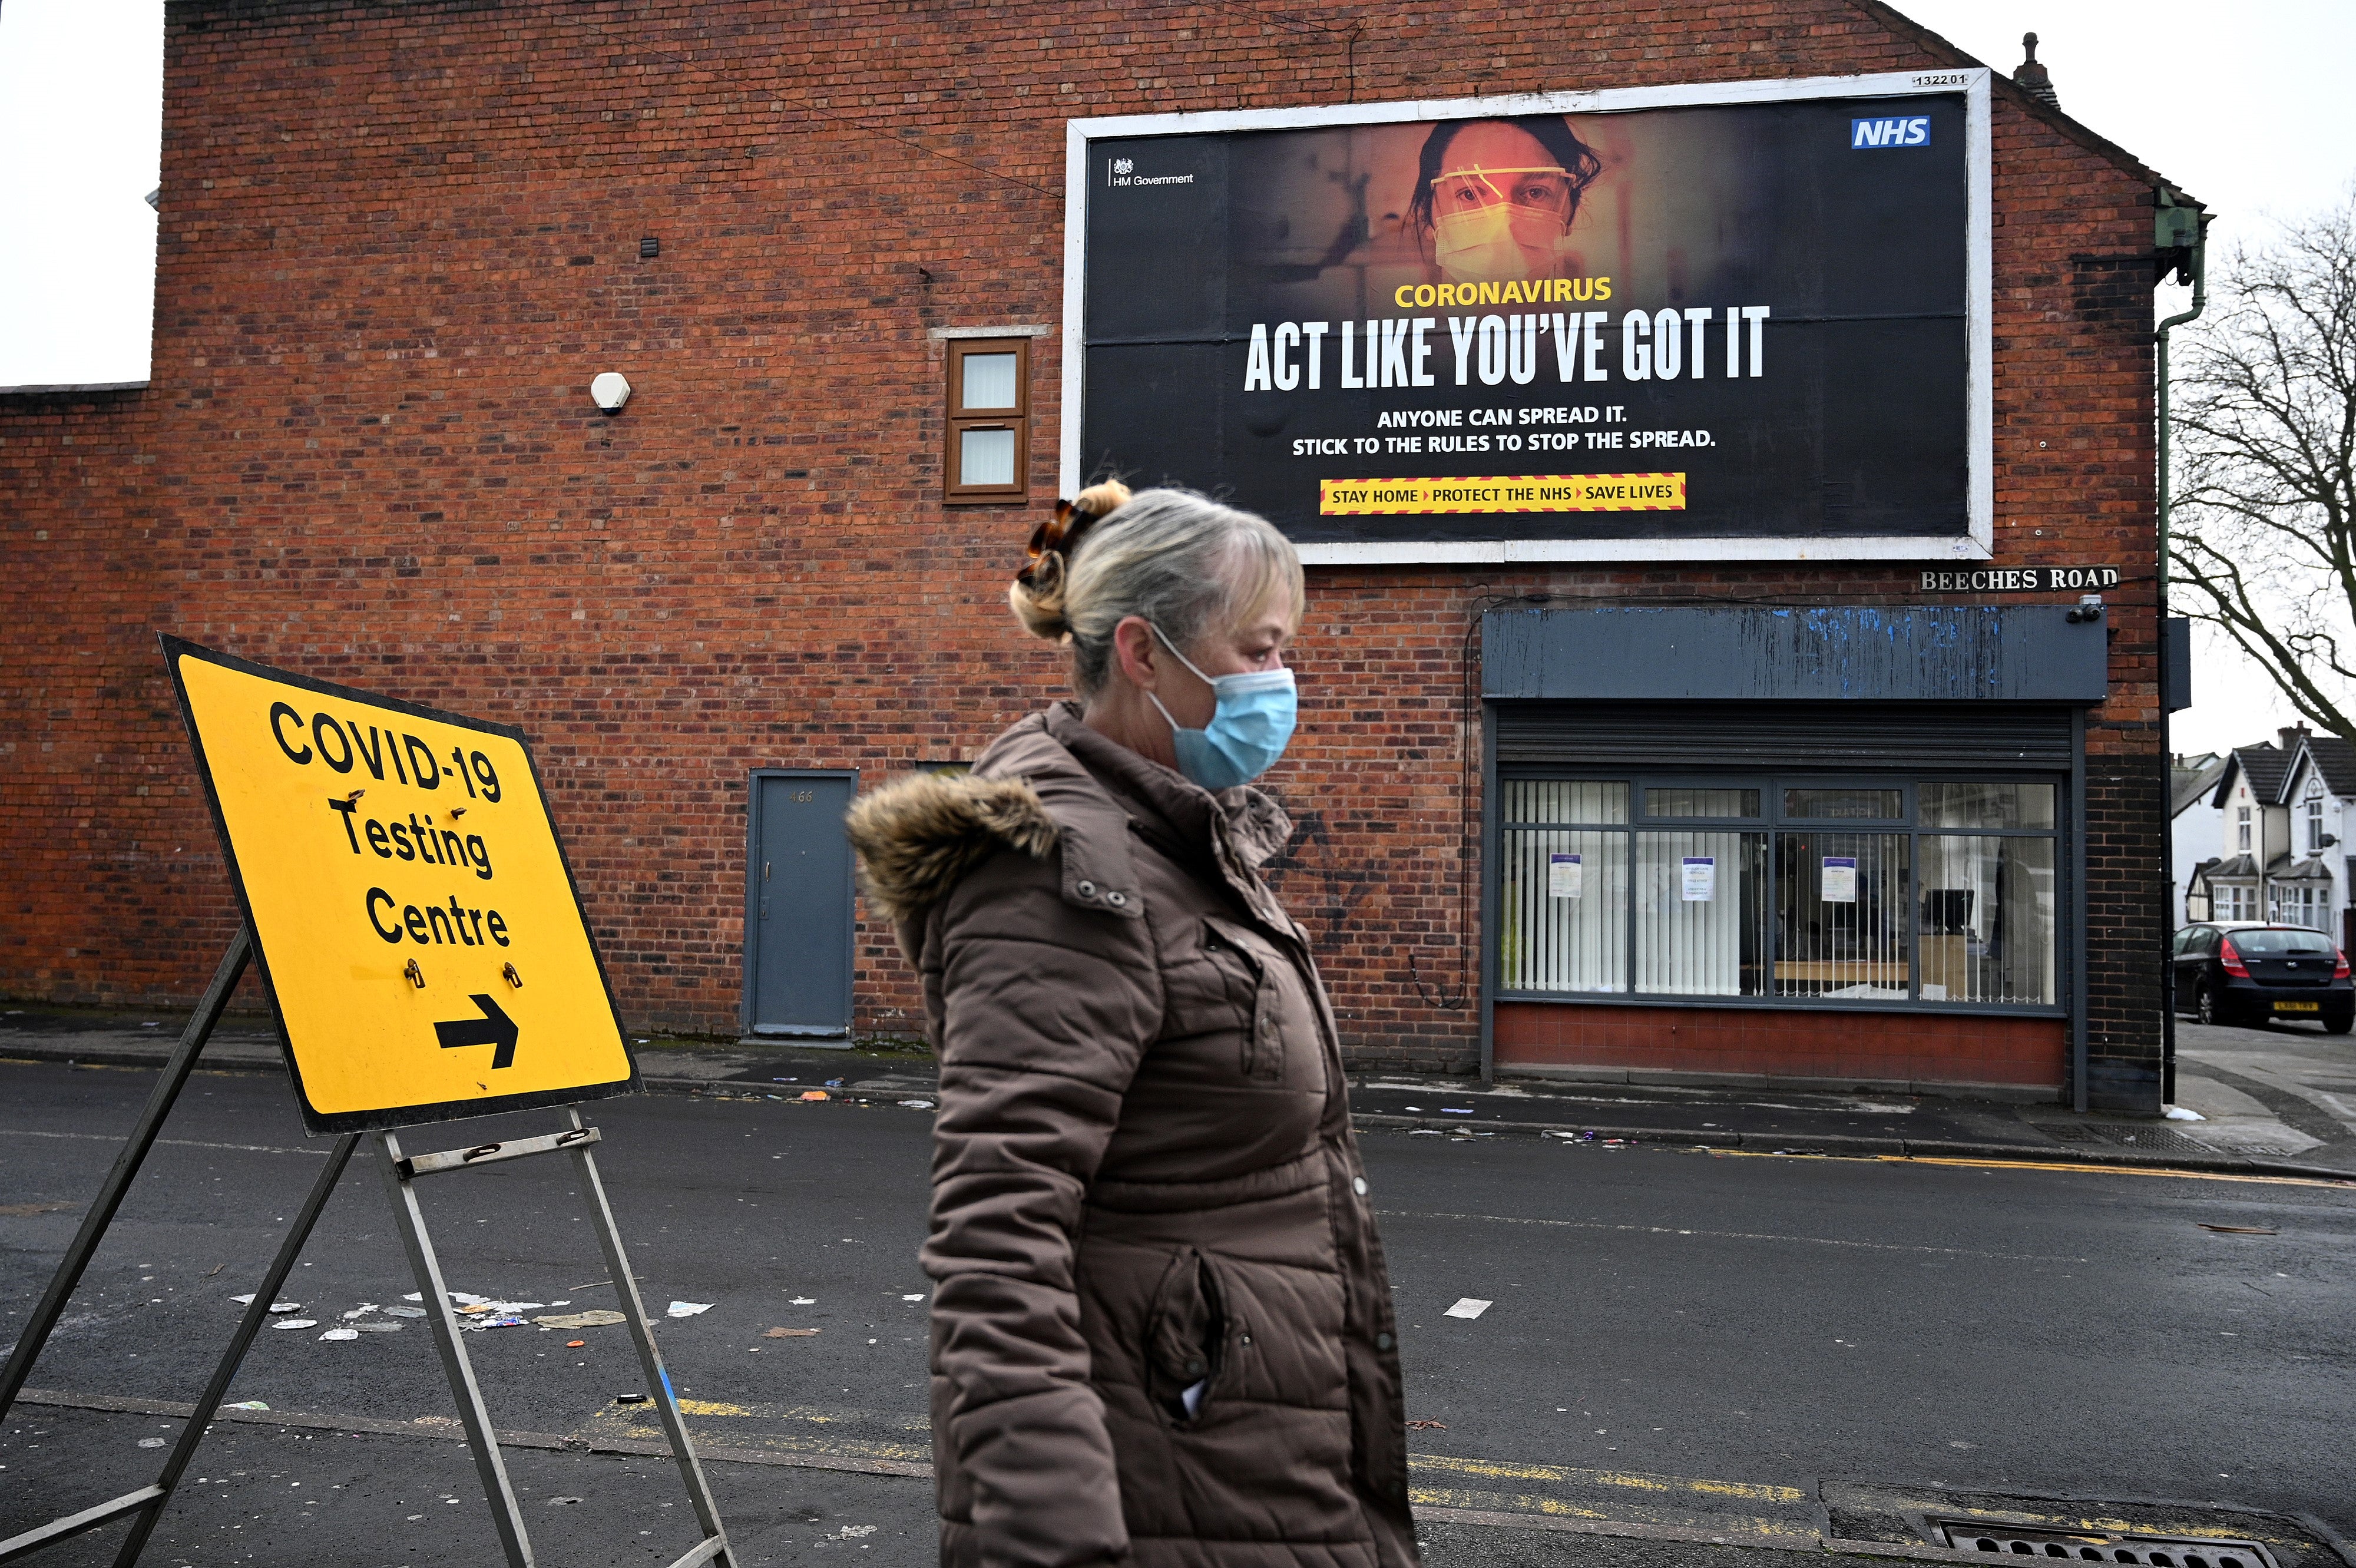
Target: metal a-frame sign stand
pixel 399 1110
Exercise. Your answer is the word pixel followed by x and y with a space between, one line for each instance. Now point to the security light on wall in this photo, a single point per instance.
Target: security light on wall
pixel 610 392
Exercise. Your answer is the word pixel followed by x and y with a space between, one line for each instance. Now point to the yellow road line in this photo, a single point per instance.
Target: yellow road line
pixel 2113 1170
pixel 1503 1471
pixel 833 1447
pixel 1553 1507
pixel 1974 1163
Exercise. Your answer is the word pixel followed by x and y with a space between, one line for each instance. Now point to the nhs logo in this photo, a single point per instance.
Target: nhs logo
pixel 1908 131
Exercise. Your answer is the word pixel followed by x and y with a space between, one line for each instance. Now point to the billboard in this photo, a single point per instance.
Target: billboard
pixel 1738 321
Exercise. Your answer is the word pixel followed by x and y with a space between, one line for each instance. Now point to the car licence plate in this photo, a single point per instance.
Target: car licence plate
pixel 2299 1007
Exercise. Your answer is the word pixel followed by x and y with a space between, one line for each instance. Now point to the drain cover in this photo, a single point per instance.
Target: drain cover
pixel 1956 1524
pixel 2096 1546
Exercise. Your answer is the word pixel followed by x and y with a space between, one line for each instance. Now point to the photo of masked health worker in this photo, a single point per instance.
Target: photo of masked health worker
pixel 1495 199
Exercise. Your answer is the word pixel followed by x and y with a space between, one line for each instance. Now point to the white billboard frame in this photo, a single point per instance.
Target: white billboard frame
pixel 1977 543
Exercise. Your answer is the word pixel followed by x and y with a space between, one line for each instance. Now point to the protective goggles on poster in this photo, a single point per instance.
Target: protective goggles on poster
pixel 1544 188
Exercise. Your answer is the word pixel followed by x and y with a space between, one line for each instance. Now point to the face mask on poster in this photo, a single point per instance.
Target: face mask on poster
pixel 1498 243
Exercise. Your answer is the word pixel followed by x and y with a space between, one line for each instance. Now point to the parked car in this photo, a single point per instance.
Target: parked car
pixel 2246 972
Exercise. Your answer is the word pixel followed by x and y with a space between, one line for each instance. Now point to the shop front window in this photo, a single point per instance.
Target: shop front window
pixel 1929 892
pixel 1700 906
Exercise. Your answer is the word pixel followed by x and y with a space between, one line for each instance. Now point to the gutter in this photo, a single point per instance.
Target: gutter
pixel 2167 226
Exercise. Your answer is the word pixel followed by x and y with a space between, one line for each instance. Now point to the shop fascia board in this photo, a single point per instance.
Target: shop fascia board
pixel 2019 653
pixel 1977 543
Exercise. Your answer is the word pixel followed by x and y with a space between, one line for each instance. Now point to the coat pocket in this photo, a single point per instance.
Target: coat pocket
pixel 1186 1336
pixel 1252 968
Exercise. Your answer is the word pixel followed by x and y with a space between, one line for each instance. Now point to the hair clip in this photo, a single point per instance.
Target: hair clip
pixel 1060 534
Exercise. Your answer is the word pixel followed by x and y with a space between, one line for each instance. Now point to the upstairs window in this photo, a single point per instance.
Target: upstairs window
pixel 988 457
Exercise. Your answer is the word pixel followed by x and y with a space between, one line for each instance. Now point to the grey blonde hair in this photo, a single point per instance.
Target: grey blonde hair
pixel 1181 561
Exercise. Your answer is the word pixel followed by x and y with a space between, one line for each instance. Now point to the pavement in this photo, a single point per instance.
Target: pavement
pixel 2273 1098
pixel 1689 1354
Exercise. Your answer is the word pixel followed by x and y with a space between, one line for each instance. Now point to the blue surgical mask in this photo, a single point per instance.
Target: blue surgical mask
pixel 1248 729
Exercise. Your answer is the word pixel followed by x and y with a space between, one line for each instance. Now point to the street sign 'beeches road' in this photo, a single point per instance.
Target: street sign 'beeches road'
pixel 414 913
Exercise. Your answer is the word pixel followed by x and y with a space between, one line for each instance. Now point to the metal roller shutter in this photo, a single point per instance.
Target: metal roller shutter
pixel 1784 736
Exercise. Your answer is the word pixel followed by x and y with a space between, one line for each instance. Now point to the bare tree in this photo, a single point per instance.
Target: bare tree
pixel 2265 538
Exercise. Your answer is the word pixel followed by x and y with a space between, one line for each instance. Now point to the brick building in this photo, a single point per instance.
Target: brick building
pixel 399 240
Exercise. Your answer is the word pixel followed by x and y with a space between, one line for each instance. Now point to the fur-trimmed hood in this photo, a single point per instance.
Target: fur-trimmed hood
pixel 1049 786
pixel 918 837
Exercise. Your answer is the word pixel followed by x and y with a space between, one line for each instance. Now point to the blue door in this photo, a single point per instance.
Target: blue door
pixel 798 909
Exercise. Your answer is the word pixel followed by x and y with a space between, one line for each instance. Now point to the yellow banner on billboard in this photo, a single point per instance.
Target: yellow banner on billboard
pixel 1548 492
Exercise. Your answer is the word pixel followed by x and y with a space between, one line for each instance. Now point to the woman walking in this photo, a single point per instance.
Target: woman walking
pixel 1162 1329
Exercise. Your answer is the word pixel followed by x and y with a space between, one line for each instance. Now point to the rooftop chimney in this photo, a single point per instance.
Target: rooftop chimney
pixel 2291 737
pixel 2033 78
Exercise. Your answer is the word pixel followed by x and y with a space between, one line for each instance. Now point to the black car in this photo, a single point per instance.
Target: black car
pixel 2233 972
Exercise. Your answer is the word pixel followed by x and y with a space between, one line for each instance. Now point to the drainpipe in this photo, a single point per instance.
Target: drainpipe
pixel 2168 231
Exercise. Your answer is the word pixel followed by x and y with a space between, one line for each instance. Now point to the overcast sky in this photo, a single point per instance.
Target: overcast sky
pixel 2245 107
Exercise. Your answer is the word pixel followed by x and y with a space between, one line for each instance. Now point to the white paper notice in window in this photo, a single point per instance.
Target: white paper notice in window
pixel 1840 879
pixel 1701 878
pixel 1562 876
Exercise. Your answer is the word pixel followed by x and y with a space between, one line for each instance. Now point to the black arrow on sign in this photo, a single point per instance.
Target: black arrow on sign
pixel 493 1028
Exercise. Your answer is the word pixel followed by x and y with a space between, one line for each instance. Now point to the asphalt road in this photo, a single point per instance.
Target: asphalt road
pixel 1679 1340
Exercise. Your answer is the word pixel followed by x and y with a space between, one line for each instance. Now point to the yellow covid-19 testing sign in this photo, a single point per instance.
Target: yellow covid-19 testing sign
pixel 410 904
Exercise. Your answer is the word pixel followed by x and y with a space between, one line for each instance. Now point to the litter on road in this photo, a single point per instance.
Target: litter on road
pixel 918 1295
pixel 597 1317
pixel 151 1443
pixel 689 1308
pixel 816 1094
pixel 1467 1306
pixel 803 1301
pixel 341 1333
pixel 790 1334
pixel 297 1322
pixel 2237 1230
pixel 917 1104
pixel 404 1311
pixel 246 1404
pixel 630 1398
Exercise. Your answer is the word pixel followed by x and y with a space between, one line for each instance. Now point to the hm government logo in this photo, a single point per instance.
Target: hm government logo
pixel 1122 172
pixel 1896 131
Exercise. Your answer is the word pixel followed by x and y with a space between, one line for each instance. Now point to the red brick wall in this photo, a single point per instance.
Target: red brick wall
pixel 398 241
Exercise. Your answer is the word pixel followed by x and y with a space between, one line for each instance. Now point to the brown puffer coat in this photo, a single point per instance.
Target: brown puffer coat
pixel 1143 1175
